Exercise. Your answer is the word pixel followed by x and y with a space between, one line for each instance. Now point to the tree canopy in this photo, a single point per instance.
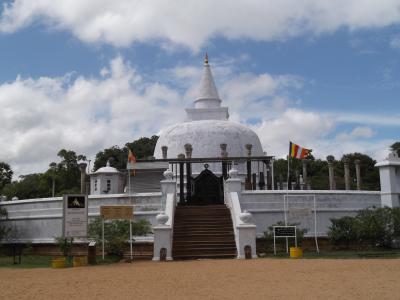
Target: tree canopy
pixel 65 173
pixel 318 175
pixel 396 147
pixel 5 174
pixel 141 148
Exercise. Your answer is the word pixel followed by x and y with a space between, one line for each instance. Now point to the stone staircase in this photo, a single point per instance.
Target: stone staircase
pixel 203 232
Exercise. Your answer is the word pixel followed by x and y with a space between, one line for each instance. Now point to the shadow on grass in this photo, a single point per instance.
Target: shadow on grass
pixel 343 254
pixel 45 261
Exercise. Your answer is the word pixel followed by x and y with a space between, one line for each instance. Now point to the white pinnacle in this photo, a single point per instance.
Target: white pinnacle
pixel 208 94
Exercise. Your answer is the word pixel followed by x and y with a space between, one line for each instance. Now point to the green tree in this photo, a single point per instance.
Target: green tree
pixel 318 175
pixel 66 174
pixel 369 173
pixel 5 174
pixel 142 148
pixel 116 233
pixel 396 147
pixel 4 231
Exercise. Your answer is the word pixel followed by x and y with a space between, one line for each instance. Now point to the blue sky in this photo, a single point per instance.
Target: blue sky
pixel 89 76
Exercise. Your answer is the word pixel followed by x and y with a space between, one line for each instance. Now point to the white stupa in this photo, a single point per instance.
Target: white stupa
pixel 207 127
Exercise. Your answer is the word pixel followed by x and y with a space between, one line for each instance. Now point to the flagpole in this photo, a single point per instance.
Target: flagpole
pixel 129 184
pixel 285 201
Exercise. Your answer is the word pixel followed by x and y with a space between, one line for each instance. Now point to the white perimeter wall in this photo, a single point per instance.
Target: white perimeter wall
pixel 267 206
pixel 40 220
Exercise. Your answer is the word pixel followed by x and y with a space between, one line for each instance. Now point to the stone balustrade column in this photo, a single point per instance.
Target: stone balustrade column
pixel 330 160
pixel 82 168
pixel 181 181
pixel 357 162
pixel 346 173
pixel 188 151
pixel 248 185
pixel 305 180
pixel 224 154
pixel 164 150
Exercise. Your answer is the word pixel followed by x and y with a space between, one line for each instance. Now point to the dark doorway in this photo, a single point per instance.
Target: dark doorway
pixel 207 189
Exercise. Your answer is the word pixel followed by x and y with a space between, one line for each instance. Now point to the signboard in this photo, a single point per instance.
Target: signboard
pixel 285 231
pixel 116 212
pixel 75 215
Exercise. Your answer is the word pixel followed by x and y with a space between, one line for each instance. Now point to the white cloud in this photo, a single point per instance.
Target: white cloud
pixel 41 116
pixel 298 126
pixel 358 132
pixel 193 23
pixel 395 42
pixel 87 114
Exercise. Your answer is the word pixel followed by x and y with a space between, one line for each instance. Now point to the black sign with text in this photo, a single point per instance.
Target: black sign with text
pixel 285 231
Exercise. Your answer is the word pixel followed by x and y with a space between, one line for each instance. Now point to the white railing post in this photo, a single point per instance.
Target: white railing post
pixel 389 173
pixel 245 232
pixel 163 231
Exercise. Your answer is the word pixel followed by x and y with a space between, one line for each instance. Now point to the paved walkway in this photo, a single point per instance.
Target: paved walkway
pixel 211 279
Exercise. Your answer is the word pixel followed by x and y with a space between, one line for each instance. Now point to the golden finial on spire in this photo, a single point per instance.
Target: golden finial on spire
pixel 206 59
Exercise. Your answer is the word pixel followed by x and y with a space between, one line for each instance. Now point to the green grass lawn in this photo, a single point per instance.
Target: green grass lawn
pixel 44 261
pixel 27 261
pixel 342 254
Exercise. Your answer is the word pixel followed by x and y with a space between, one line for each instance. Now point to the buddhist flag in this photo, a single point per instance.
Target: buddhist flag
pixel 131 160
pixel 296 151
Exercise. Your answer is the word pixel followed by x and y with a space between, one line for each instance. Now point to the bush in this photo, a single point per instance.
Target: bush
pixel 65 245
pixel 375 227
pixel 4 231
pixel 343 230
pixel 116 233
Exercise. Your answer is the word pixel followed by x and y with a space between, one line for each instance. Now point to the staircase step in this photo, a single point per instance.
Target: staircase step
pixel 205 256
pixel 203 232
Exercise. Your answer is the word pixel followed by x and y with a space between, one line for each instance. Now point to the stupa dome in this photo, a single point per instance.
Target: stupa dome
pixel 107 169
pixel 208 127
pixel 205 136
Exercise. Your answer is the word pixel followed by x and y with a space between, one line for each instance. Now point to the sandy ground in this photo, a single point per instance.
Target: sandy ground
pixel 210 279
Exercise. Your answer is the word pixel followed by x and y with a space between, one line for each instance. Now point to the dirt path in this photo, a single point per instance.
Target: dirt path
pixel 210 279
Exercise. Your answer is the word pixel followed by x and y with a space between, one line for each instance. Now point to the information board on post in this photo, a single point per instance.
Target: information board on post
pixel 284 232
pixel 75 216
pixel 116 212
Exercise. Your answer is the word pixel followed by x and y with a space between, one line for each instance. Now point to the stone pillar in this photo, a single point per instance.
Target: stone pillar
pixel 248 185
pixel 224 154
pixel 188 150
pixel 233 184
pixel 346 173
pixel 357 162
pixel 164 150
pixel 301 182
pixel 305 180
pixel 181 181
pixel 389 173
pixel 330 160
pixel 82 168
pixel 163 230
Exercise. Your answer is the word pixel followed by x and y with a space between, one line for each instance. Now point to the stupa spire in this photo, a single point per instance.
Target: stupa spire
pixel 208 95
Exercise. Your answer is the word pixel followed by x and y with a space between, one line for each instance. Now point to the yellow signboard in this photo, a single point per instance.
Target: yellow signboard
pixel 114 212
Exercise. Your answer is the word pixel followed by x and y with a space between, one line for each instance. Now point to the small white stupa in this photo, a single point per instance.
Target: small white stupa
pixel 107 180
pixel 206 128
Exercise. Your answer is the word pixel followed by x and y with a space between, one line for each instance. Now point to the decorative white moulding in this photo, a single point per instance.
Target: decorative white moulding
pixel 233 173
pixel 168 174
pixel 162 218
pixel 245 217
